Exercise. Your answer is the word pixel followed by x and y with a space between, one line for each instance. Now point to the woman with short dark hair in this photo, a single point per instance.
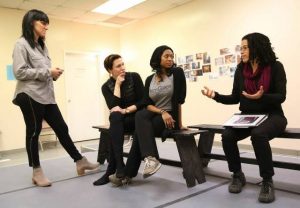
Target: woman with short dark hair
pixel 260 87
pixel 123 93
pixel 165 92
pixel 34 94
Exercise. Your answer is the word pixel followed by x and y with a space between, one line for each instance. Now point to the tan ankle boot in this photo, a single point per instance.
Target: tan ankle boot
pixel 39 179
pixel 84 164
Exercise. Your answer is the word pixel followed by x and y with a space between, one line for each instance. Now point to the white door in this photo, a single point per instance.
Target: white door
pixel 85 105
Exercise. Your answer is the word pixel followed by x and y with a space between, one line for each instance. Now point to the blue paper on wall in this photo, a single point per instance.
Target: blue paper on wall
pixel 9 72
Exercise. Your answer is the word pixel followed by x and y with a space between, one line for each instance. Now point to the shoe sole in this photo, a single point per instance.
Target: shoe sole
pixel 82 172
pixel 153 172
pixel 234 192
pixel 266 201
pixel 39 185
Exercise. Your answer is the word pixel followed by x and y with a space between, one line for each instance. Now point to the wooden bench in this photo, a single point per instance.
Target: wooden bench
pixel 187 148
pixel 47 135
pixel 206 141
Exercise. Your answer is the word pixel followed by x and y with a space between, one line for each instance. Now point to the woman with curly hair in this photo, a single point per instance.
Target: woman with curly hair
pixel 260 88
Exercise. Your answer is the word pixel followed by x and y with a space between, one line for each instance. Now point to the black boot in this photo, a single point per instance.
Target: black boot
pixel 267 194
pixel 237 182
pixel 102 181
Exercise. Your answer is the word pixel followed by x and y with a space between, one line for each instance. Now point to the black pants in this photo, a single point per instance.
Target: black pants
pixel 119 125
pixel 34 113
pixel 134 158
pixel 260 137
pixel 148 126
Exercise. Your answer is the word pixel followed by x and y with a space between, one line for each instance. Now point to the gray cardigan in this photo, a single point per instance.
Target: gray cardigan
pixel 31 68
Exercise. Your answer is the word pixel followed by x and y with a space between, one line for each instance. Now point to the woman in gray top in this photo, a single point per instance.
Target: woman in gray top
pixel 165 92
pixel 35 94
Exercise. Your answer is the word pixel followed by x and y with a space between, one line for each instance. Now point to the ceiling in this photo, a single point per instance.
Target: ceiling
pixel 80 10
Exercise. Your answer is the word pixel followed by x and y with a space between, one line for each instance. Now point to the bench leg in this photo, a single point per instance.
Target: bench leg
pixel 205 144
pixel 103 150
pixel 190 160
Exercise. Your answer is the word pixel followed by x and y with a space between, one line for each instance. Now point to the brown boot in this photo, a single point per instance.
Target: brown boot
pixel 39 179
pixel 84 164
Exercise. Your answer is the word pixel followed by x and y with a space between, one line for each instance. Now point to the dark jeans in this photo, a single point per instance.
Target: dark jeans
pixel 260 137
pixel 148 126
pixel 34 113
pixel 119 125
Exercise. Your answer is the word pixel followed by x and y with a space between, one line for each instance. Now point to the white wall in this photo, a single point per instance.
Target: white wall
pixel 62 36
pixel 208 25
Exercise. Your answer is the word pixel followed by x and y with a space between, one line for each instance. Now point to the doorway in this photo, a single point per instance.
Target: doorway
pixel 85 104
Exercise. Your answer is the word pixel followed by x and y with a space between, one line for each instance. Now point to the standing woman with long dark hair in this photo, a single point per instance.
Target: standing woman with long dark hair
pixel 34 94
pixel 260 87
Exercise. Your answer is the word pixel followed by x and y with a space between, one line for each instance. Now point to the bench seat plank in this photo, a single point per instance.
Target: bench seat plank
pixel 191 162
pixel 290 133
pixel 206 142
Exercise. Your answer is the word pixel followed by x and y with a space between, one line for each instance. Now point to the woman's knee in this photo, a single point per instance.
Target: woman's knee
pixel 259 138
pixel 115 117
pixel 258 134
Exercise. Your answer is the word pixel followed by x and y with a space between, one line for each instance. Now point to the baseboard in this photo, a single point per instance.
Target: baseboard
pixel 13 151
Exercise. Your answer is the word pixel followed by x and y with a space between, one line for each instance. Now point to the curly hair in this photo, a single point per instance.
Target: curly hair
pixel 260 49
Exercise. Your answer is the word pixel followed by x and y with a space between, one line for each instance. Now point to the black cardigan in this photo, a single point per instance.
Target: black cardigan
pixel 269 103
pixel 132 91
pixel 179 93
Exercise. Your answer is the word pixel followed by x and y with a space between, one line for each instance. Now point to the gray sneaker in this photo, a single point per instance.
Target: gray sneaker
pixel 266 194
pixel 152 165
pixel 237 183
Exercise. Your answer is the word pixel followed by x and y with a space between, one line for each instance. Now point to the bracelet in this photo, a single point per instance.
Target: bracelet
pixel 162 111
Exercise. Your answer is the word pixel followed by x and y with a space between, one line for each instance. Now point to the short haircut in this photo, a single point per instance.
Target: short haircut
pixel 109 61
pixel 260 48
pixel 156 58
pixel 27 26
